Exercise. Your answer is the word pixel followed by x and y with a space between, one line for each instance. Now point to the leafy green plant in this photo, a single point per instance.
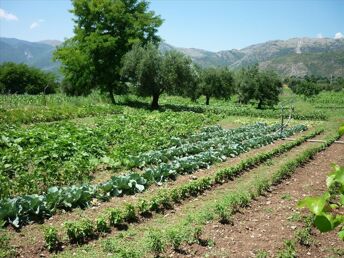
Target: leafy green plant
pixel 324 207
pixel 101 225
pixel 288 251
pixel 223 213
pixel 129 213
pixel 51 239
pixel 143 207
pixel 80 231
pixel 115 217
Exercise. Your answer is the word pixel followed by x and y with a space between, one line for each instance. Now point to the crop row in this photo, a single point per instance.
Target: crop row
pixel 165 199
pixel 189 230
pixel 251 112
pixel 198 143
pixel 22 209
pixel 34 158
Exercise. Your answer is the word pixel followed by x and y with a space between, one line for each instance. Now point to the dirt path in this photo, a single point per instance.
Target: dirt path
pixel 269 220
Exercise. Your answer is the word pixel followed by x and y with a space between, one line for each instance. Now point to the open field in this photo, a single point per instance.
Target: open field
pixel 86 178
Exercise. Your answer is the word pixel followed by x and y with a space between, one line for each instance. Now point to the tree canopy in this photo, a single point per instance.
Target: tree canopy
pixel 105 30
pixel 260 86
pixel 21 78
pixel 153 72
pixel 216 82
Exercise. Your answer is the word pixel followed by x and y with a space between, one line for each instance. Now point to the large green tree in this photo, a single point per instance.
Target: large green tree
pixel 153 72
pixel 105 30
pixel 216 82
pixel 263 87
pixel 21 78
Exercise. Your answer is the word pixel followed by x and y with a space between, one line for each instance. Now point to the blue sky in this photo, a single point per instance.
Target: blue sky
pixel 207 24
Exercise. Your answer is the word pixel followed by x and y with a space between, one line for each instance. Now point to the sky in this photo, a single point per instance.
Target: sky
pixel 207 24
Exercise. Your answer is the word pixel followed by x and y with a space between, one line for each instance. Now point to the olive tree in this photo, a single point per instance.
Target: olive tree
pixel 153 72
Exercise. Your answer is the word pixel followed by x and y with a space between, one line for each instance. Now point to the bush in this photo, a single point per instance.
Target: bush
pixel 21 78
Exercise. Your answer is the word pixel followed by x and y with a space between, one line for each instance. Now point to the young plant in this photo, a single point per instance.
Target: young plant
pixel 326 207
pixel 101 225
pixel 129 214
pixel 51 239
pixel 223 213
pixel 143 207
pixel 175 237
pixel 80 231
pixel 115 217
pixel 155 243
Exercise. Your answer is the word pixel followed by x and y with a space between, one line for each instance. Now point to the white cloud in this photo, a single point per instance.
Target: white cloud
pixel 7 16
pixel 35 24
pixel 338 35
pixel 320 36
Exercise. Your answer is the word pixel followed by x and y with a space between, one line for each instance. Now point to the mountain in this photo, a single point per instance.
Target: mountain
pixel 51 42
pixel 296 56
pixel 37 54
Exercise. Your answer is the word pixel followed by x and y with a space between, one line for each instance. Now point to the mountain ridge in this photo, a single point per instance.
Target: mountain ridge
pixel 295 56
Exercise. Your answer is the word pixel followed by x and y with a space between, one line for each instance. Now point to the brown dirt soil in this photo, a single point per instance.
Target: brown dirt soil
pixel 268 221
pixel 29 241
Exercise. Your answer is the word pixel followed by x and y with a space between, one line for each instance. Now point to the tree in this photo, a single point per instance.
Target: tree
pixel 153 72
pixel 263 87
pixel 217 83
pixel 21 78
pixel 307 88
pixel 105 30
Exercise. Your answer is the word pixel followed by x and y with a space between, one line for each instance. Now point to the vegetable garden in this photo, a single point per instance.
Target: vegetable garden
pixel 100 180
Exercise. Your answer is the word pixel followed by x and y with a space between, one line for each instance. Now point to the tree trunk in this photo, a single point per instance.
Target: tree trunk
pixel 155 102
pixel 112 98
pixel 207 99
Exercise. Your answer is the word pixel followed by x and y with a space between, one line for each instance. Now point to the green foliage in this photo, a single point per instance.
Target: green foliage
pixel 155 242
pixel 223 213
pixel 216 82
pixel 175 237
pixel 6 250
pixel 104 31
pixel 341 130
pixel 51 239
pixel 80 231
pixel 115 217
pixel 288 251
pixel 129 213
pixel 303 236
pixel 153 72
pixel 262 254
pixel 21 78
pixel 261 86
pixel 324 207
pixel 306 88
pixel 101 225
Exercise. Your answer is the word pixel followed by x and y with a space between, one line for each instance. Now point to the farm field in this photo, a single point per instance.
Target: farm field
pixel 80 177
